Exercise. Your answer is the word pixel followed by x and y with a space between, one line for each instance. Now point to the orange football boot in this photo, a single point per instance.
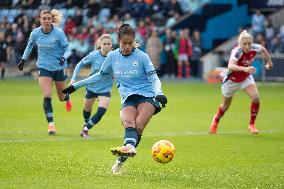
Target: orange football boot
pixel 68 105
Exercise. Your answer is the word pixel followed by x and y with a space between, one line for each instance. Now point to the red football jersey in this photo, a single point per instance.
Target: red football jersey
pixel 243 59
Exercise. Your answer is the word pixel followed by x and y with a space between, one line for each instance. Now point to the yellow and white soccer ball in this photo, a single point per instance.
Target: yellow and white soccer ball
pixel 163 151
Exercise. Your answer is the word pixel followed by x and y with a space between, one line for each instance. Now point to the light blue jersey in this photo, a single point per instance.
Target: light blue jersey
pixel 134 74
pixel 51 47
pixel 95 59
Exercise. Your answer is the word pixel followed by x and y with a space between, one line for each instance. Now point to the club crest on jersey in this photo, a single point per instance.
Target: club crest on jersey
pixel 135 63
pixel 53 40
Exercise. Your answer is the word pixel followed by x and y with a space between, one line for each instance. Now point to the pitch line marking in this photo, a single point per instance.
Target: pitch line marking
pixel 149 134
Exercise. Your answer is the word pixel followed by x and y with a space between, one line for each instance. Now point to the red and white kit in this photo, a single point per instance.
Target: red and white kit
pixel 236 80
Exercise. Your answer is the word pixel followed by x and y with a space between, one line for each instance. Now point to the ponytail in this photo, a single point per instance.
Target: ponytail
pixel 244 35
pixel 56 15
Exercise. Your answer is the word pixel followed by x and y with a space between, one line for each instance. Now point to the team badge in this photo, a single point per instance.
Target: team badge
pixel 135 63
pixel 53 40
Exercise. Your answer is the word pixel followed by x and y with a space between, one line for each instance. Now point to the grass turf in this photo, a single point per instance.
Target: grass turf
pixel 231 159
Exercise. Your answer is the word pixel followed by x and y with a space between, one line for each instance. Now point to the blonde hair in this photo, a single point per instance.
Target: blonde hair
pixel 244 35
pixel 56 15
pixel 98 42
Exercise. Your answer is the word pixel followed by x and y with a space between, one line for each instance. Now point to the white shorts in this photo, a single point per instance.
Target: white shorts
pixel 230 87
pixel 183 57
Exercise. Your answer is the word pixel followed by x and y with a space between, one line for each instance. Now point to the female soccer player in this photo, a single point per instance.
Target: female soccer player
pixel 52 54
pixel 100 90
pixel 239 76
pixel 139 88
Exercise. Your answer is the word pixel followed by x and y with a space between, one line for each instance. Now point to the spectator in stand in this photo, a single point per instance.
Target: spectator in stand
pixel 185 5
pixel 78 18
pixel 69 25
pixel 93 8
pixel 196 53
pixel 150 25
pixel 139 9
pixel 276 45
pixel 281 35
pixel 153 49
pixel 260 39
pixel 80 47
pixel 258 21
pixel 172 7
pixel 127 6
pixel 128 19
pixel 20 46
pixel 168 48
pixel 116 20
pixel 269 33
pixel 173 20
pixel 142 29
pixel 184 53
pixel 95 21
pixel 84 34
pixel 109 25
pixel 4 53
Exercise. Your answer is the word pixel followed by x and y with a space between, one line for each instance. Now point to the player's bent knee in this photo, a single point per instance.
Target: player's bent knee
pixel 128 124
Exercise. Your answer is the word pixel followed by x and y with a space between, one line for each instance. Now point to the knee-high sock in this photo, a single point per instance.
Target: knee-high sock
pixel 179 72
pixel 86 115
pixel 124 158
pixel 48 110
pixel 130 136
pixel 220 112
pixel 253 112
pixel 96 118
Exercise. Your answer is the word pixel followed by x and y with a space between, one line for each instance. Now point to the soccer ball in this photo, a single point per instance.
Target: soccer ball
pixel 163 151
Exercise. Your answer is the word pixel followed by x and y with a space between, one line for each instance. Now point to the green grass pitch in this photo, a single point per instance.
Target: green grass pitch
pixel 233 158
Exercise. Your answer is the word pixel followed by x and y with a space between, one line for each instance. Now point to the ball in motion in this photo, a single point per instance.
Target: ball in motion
pixel 163 151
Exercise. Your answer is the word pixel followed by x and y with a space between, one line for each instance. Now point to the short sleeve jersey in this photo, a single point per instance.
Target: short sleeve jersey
pixel 243 59
pixel 130 72
pixel 50 47
pixel 96 59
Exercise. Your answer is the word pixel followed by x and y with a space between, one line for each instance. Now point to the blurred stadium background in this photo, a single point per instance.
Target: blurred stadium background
pixel 211 27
